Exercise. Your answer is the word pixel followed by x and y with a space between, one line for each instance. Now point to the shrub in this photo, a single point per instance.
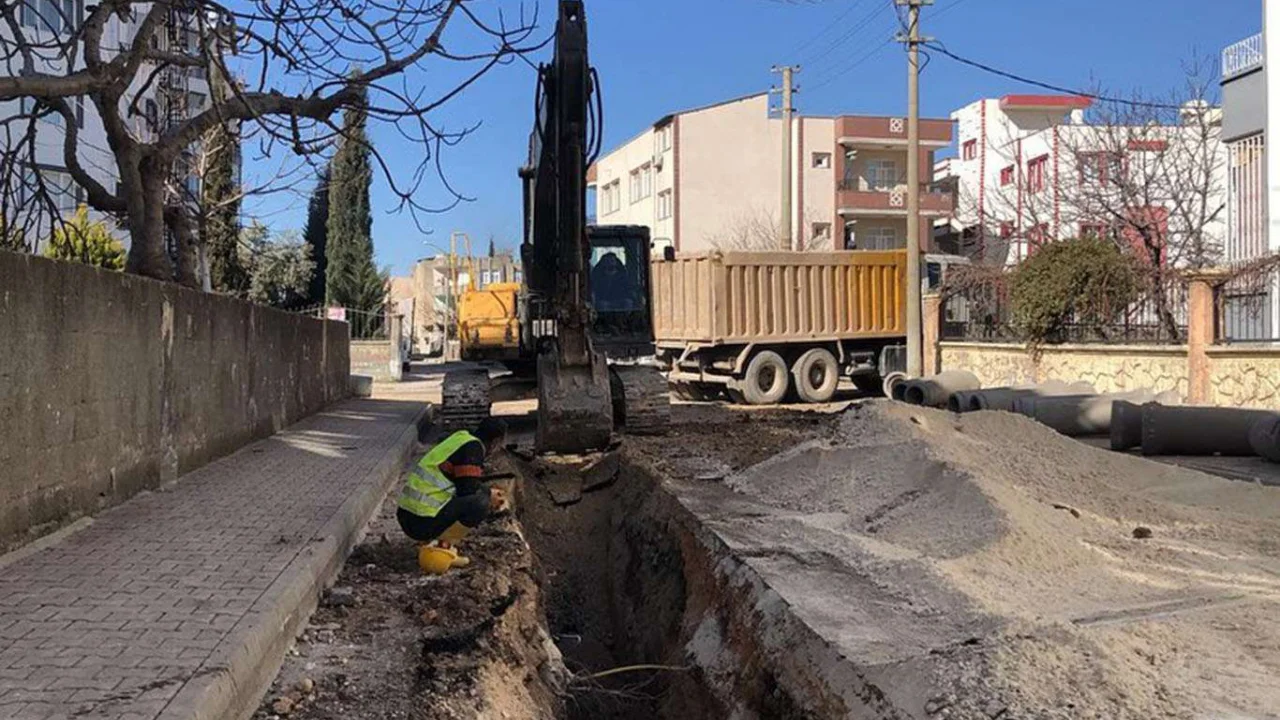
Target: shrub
pixel 1080 285
pixel 84 241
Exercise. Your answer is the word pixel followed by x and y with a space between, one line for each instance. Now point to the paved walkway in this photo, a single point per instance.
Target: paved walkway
pixel 181 603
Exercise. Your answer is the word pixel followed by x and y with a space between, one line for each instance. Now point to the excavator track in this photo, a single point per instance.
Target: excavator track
pixel 648 400
pixel 465 399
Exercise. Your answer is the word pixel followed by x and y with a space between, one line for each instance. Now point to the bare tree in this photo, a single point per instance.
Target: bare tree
pixel 300 62
pixel 759 229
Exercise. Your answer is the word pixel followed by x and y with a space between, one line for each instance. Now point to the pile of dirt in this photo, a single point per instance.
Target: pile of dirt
pixel 1123 588
pixel 390 642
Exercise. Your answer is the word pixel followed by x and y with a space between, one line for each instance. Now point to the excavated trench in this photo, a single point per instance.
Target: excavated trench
pixel 631 580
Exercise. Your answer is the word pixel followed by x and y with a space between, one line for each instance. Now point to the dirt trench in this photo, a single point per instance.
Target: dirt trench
pixel 597 572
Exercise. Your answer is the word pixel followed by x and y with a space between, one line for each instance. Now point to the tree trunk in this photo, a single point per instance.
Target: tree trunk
pixel 147 253
pixel 188 270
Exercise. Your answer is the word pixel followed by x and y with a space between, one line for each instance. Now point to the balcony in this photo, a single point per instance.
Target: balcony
pixel 850 201
pixel 1242 57
pixel 890 133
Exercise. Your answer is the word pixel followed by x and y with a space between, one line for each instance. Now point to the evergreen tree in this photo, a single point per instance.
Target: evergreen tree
pixel 351 278
pixel 84 241
pixel 221 203
pixel 492 249
pixel 316 235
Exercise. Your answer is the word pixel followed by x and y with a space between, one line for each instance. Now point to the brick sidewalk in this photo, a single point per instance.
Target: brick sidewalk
pixel 181 603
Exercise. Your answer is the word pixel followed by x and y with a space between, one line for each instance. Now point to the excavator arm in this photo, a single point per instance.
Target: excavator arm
pixel 574 406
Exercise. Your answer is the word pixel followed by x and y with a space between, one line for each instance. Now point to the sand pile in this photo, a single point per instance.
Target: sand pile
pixel 1128 589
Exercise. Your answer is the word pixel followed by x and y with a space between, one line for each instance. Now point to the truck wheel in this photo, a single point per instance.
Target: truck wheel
pixel 869 384
pixel 767 379
pixel 816 375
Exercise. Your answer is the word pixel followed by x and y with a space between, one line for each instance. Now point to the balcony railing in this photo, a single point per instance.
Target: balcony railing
pixel 1242 56
pixel 852 199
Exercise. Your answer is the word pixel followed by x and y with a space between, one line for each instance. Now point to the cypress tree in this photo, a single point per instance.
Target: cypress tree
pixel 351 278
pixel 316 236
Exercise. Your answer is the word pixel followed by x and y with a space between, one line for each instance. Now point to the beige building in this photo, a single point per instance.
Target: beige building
pixel 711 178
pixel 425 296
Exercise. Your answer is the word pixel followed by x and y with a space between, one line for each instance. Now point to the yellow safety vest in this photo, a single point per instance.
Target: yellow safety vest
pixel 427 489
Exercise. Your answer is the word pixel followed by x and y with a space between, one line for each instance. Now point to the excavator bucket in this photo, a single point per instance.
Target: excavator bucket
pixel 575 412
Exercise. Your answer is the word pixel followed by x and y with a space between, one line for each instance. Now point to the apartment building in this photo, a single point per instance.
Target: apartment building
pixel 711 177
pixel 1029 169
pixel 173 94
pixel 432 292
pixel 1251 113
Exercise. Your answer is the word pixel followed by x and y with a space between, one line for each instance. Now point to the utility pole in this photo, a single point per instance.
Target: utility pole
pixel 784 236
pixel 915 354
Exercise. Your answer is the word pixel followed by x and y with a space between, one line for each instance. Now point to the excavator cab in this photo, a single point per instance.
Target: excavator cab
pixel 622 327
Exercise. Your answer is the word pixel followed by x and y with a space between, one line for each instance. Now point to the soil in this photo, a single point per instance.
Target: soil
pixel 1124 588
pixel 388 641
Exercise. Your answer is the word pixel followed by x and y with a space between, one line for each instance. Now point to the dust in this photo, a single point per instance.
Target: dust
pixel 1038 530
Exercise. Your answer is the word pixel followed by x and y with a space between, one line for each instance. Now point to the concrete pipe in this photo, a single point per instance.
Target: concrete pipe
pixel 1198 430
pixel 1126 425
pixel 895 384
pixel 1075 415
pixel 1002 398
pixel 1264 437
pixel 935 390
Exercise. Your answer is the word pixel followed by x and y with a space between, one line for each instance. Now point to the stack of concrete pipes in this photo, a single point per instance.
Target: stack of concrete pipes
pixel 1136 418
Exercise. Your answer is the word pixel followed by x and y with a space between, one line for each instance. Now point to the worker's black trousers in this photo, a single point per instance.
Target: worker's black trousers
pixel 470 510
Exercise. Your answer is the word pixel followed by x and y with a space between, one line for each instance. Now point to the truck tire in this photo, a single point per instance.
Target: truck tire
pixel 869 384
pixel 766 381
pixel 816 375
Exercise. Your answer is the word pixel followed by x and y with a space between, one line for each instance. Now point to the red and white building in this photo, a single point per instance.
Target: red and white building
pixel 1029 169
pixel 711 177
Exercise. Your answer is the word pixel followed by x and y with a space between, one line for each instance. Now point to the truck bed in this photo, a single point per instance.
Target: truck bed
pixel 737 297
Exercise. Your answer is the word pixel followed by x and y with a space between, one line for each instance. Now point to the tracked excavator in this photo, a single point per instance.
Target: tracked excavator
pixel 577 330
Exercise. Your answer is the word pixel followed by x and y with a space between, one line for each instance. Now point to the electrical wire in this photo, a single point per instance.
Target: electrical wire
pixel 853 5
pixel 834 45
pixel 938 47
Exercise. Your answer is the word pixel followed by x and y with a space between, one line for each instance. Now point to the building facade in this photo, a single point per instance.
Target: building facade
pixel 1251 113
pixel 711 178
pixel 172 95
pixel 1029 169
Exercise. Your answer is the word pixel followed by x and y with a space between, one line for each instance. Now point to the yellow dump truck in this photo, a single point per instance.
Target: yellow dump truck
pixel 759 326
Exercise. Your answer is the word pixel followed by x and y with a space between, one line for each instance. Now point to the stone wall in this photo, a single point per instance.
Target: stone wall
pixel 1243 376
pixel 372 358
pixel 111 384
pixel 1108 367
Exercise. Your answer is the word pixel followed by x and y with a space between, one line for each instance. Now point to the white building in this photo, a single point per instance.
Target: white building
pixel 1029 169
pixel 173 94
pixel 1251 113
pixel 712 177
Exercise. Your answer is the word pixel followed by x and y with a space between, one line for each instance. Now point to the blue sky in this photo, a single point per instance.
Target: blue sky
pixel 658 56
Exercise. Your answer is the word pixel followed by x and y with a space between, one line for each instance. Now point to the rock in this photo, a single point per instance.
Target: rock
pixel 282 706
pixel 306 685
pixel 1142 532
pixel 341 597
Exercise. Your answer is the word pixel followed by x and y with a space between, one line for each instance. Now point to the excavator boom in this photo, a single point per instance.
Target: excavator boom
pixel 574 406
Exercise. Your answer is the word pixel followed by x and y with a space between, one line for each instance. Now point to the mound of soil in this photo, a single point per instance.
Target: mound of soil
pixel 1123 588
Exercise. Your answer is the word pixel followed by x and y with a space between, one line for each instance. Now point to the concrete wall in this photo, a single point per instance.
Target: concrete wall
pixel 111 384
pixel 1110 368
pixel 372 358
pixel 1244 376
pixel 1244 104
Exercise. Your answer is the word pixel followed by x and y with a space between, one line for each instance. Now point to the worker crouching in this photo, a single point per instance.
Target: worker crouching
pixel 445 497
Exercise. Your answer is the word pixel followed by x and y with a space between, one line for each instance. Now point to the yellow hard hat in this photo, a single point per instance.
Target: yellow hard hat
pixel 436 560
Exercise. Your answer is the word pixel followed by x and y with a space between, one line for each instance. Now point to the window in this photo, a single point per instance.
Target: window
pixel 664 204
pixel 1006 230
pixel 879 238
pixel 1036 171
pixel 821 232
pixel 1006 176
pixel 1094 230
pixel 822 160
pixel 882 174
pixel 969 150
pixel 611 197
pixel 664 137
pixel 195 102
pixel 641 182
pixel 1101 167
pixel 1036 237
pixel 51 15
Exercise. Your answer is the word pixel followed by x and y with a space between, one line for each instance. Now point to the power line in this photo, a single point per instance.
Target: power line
pixel 842 72
pixel 857 28
pixel 825 73
pixel 1045 85
pixel 853 5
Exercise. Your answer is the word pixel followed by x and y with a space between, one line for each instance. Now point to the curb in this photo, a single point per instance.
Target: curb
pixel 258 643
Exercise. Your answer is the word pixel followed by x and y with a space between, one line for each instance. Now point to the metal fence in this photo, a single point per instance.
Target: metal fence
pixel 1248 310
pixel 986 314
pixel 365 324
